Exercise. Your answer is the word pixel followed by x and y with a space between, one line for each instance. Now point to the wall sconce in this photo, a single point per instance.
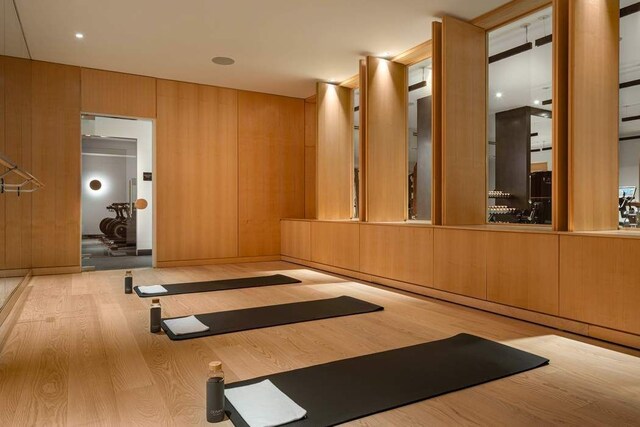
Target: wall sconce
pixel 95 185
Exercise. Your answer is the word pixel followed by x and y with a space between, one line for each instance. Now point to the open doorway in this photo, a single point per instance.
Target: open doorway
pixel 117 193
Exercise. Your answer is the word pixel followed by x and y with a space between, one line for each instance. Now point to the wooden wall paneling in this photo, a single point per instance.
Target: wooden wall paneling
pixel 415 54
pixel 334 151
pixel 436 124
pixel 336 243
pixel 460 262
pixel 296 239
pixel 271 169
pixel 310 125
pixel 55 134
pixel 599 281
pixel 386 140
pixel 560 117
pixel 522 270
pixel 362 139
pixel 197 178
pixel 17 136
pixel 593 132
pixel 508 12
pixel 2 149
pixel 464 121
pixel 397 252
pixel 111 93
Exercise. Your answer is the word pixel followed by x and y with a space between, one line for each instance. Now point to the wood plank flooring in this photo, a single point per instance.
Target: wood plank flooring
pixel 77 351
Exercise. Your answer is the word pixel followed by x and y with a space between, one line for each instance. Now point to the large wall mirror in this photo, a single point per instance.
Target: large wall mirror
pixel 356 154
pixel 629 127
pixel 520 166
pixel 419 141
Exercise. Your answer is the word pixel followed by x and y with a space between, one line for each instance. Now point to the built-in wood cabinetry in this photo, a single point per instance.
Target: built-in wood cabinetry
pixel 310 129
pixel 336 244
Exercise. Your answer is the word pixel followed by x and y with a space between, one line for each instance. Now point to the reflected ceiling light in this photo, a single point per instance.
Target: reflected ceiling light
pixel 223 60
pixel 498 94
pixel 79 35
pixel 536 102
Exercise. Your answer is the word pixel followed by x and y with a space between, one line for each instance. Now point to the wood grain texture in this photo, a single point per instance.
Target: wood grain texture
pixel 197 181
pixel 397 252
pixel 593 132
pixel 599 281
pixel 336 243
pixel 415 54
pixel 508 12
pixel 560 118
pixel 58 372
pixel 522 270
pixel 386 140
pixel 55 160
pixel 464 122
pixel 334 151
pixel 296 239
pixel 460 262
pixel 107 92
pixel 271 169
pixel 436 124
pixel 310 153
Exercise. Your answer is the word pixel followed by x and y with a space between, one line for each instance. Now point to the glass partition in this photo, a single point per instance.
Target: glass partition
pixel 419 141
pixel 520 166
pixel 356 154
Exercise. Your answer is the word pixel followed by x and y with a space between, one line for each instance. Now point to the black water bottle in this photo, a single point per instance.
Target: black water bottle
pixel 215 393
pixel 128 282
pixel 155 315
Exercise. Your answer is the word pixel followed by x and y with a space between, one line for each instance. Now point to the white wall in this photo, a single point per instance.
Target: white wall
pixel 142 130
pixel 543 156
pixel 629 157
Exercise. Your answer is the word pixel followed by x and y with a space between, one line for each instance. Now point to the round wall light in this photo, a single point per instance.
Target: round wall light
pixel 95 185
pixel 141 204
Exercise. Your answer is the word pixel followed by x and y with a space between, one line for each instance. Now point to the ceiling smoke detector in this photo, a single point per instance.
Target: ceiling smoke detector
pixel 223 60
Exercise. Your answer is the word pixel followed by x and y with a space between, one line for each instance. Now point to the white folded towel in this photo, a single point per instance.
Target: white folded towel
pixel 264 405
pixel 185 325
pixel 152 290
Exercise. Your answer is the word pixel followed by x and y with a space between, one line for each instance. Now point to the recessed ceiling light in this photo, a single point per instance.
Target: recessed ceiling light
pixel 536 102
pixel 223 60
pixel 385 54
pixel 498 94
pixel 79 35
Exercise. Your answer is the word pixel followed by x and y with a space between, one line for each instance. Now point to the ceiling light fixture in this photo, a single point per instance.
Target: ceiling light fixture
pixel 223 60
pixel 498 94
pixel 79 35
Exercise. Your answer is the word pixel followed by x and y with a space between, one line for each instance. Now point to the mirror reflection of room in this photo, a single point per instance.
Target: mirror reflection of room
pixel 356 154
pixel 419 141
pixel 629 127
pixel 519 124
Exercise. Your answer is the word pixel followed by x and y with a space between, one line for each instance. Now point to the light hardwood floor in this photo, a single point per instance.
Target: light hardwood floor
pixel 77 351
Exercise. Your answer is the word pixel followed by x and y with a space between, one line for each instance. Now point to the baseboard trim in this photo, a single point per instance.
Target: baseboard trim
pixel 45 271
pixel 212 261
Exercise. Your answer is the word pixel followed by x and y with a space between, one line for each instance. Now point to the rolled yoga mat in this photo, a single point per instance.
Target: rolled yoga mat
pixel 345 390
pixel 224 322
pixel 221 285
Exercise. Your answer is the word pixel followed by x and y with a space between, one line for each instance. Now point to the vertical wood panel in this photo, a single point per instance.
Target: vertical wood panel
pixel 464 136
pixel 2 148
pixel 560 195
pixel 386 121
pixel 271 169
pixel 397 252
pixel 16 224
pixel 436 124
pixel 593 132
pixel 56 162
pixel 336 244
pixel 522 270
pixel 599 281
pixel 310 126
pixel 460 262
pixel 296 239
pixel 107 92
pixel 196 185
pixel 334 152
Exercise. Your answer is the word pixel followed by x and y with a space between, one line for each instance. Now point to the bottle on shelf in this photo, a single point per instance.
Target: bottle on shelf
pixel 215 393
pixel 155 315
pixel 128 282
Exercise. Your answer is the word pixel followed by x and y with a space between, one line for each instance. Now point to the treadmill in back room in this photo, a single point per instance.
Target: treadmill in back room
pixel 540 195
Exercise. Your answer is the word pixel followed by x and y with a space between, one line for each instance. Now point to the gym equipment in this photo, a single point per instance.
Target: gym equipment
pixel 116 228
pixel 345 390
pixel 223 285
pixel 225 322
pixel 628 211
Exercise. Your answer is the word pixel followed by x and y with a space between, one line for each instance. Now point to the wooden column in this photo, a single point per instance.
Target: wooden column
pixel 593 114
pixel 464 118
pixel 310 126
pixel 386 140
pixel 334 151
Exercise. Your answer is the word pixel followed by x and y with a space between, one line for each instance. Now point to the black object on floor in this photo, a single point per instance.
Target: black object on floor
pixel 222 285
pixel 345 390
pixel 274 315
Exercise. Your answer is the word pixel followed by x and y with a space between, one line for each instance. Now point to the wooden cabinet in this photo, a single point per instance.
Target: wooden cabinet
pixel 460 258
pixel 336 244
pixel 296 239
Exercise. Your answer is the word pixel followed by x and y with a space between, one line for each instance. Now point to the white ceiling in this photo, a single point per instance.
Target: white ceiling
pixel 280 46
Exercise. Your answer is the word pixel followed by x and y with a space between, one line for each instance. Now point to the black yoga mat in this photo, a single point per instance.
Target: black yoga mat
pixel 345 390
pixel 221 285
pixel 273 315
